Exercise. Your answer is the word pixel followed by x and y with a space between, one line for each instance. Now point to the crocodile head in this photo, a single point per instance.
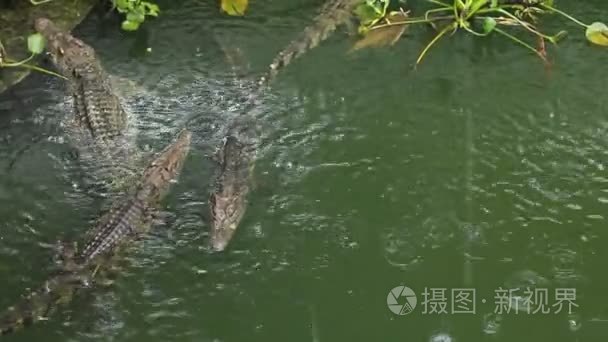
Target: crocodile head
pixel 227 211
pixel 68 53
pixel 165 168
pixel 228 202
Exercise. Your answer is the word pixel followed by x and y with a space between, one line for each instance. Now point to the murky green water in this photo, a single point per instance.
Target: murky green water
pixel 481 170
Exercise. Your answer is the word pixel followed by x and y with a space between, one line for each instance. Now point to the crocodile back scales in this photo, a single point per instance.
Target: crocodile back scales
pixel 96 106
pixel 118 226
pixel 332 14
pixel 131 217
pixel 40 303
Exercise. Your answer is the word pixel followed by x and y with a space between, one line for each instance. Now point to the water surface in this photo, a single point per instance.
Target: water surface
pixel 481 169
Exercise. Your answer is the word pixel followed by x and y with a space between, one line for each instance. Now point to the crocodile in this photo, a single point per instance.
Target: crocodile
pixel 56 290
pixel 132 217
pixel 331 15
pixel 96 106
pixel 236 155
pixel 99 127
pixel 129 218
pixel 228 201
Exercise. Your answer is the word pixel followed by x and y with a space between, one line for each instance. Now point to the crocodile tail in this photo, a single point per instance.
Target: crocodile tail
pixel 38 304
pixel 333 14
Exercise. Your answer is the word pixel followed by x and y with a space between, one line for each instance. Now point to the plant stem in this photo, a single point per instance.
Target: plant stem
pixel 564 14
pixel 436 10
pixel 487 10
pixel 407 22
pixel 39 2
pixel 436 2
pixel 437 37
pixel 31 67
pixel 527 25
pixel 16 64
pixel 521 42
pixel 471 31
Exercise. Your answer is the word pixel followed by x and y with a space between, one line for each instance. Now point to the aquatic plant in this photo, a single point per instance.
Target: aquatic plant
pixel 135 12
pixel 234 7
pixel 35 45
pixel 481 18
pixel 370 12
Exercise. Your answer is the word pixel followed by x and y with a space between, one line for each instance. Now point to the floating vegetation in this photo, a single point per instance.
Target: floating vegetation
pixel 597 33
pixel 135 12
pixel 381 27
pixel 370 12
pixel 234 7
pixel 477 17
pixel 35 45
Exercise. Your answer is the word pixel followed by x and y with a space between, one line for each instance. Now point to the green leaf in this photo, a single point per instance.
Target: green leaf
pixel 597 33
pixel 137 17
pixel 234 7
pixel 379 6
pixel 133 4
pixel 478 4
pixel 128 25
pixel 121 5
pixel 36 43
pixel 150 9
pixel 370 12
pixel 489 24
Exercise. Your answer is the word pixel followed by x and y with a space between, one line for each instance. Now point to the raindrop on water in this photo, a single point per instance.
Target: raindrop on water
pixel 574 323
pixel 491 324
pixel 441 337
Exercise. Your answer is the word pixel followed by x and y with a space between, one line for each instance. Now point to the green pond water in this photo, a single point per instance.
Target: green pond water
pixel 481 170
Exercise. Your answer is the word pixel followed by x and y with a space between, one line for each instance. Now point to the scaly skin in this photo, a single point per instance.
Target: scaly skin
pixel 99 126
pixel 37 305
pixel 132 217
pixel 96 106
pixel 120 225
pixel 333 14
pixel 236 156
pixel 228 202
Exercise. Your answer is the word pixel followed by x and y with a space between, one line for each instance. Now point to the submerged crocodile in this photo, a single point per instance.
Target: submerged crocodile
pixel 228 201
pixel 99 126
pixel 236 155
pixel 331 15
pixel 126 220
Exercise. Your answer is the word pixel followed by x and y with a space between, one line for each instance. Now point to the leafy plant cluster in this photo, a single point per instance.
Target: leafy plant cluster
pixel 370 12
pixel 479 18
pixel 135 12
pixel 35 45
pixel 382 27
